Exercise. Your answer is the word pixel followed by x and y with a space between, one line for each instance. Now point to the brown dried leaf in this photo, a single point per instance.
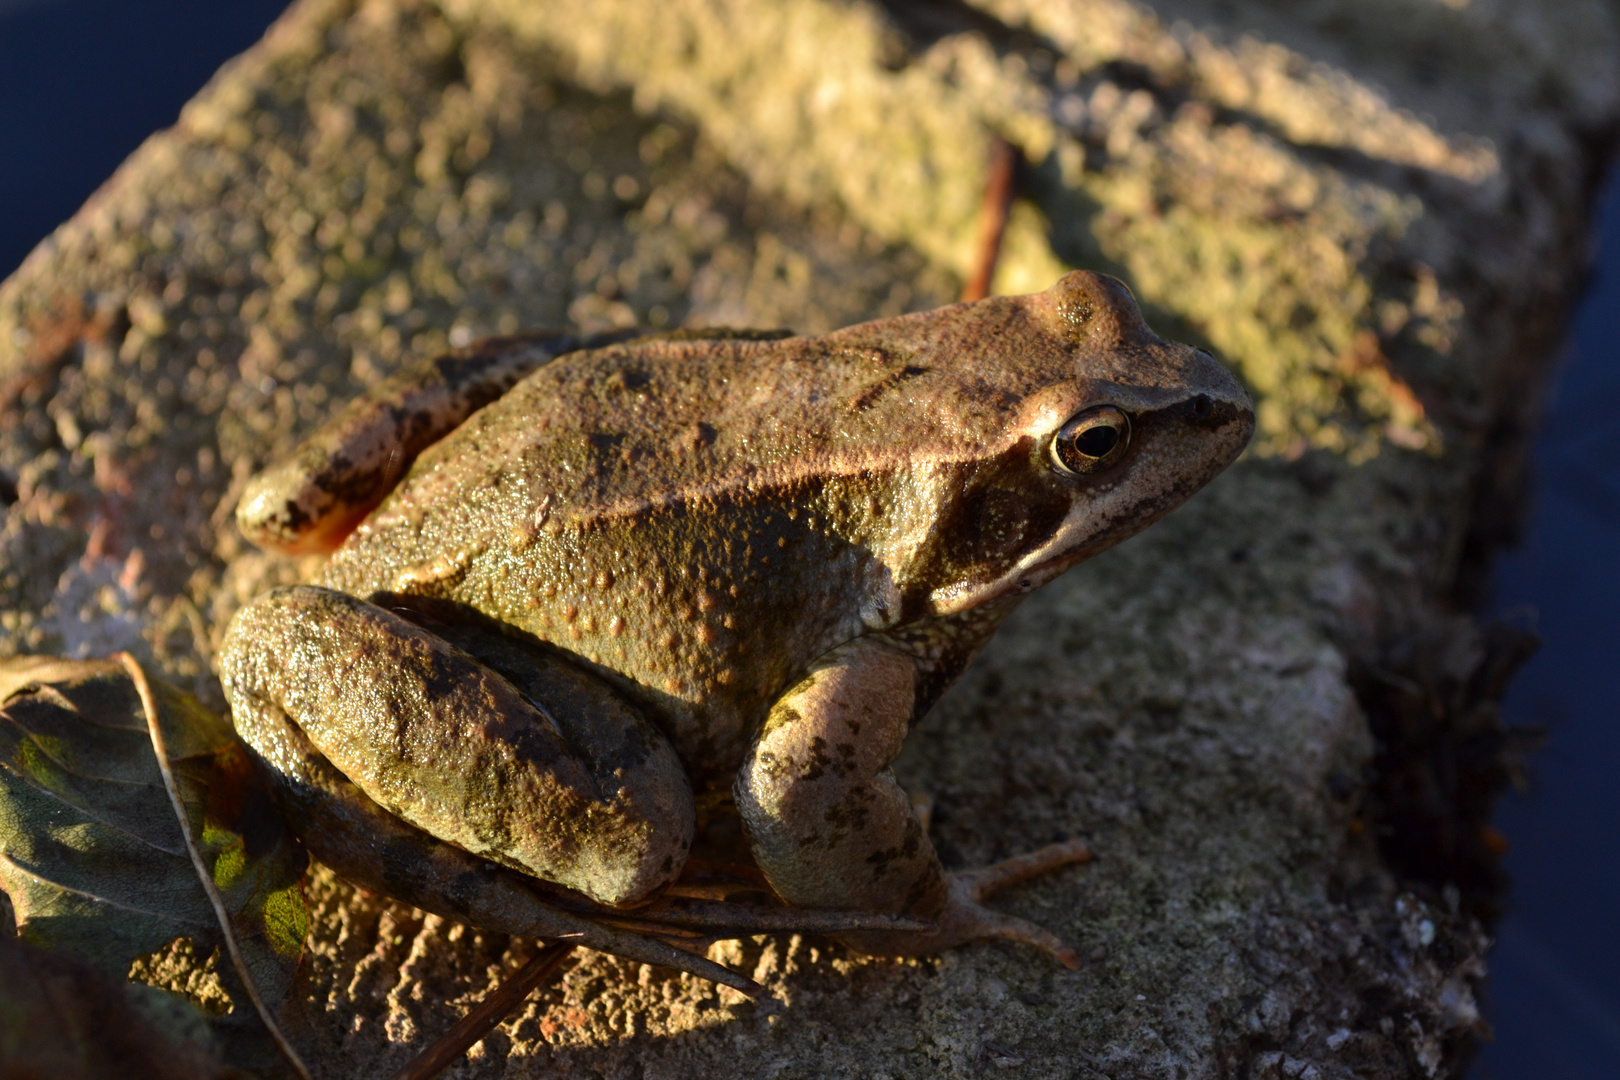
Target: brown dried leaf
pixel 64 1018
pixel 90 851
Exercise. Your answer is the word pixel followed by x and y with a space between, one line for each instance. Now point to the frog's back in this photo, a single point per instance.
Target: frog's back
pixel 672 512
pixel 700 519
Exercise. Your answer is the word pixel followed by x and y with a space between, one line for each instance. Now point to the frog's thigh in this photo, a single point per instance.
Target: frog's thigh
pixel 448 745
pixel 829 824
pixel 314 497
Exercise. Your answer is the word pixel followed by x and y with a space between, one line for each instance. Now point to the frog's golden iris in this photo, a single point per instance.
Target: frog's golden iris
pixel 1092 441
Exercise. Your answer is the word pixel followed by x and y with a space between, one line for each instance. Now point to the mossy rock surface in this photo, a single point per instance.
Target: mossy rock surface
pixel 1375 212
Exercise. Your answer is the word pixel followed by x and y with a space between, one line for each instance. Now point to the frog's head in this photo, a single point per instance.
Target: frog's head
pixel 1083 426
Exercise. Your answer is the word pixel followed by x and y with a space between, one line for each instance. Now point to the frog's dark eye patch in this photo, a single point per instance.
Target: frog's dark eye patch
pixel 1091 441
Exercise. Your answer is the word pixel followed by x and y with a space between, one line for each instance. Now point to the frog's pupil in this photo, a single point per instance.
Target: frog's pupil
pixel 1097 441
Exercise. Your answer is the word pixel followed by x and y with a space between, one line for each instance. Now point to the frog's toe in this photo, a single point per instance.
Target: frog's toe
pixel 967 919
pixel 986 881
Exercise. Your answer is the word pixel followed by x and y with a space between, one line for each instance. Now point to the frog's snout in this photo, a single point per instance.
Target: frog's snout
pixel 1203 410
pixel 1216 400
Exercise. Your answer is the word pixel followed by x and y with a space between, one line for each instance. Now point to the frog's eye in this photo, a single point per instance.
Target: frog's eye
pixel 1091 441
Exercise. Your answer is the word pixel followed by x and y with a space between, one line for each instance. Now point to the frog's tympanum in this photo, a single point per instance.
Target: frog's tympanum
pixel 576 578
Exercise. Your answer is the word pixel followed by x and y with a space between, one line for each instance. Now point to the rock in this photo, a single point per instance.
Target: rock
pixel 1376 212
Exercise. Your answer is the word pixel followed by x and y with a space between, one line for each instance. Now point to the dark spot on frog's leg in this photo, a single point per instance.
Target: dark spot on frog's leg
pixel 400 860
pixel 889 858
pixel 850 813
pixel 781 716
pixel 913 840
pixel 437 672
pixel 879 861
pixel 465 889
pixel 530 744
pixel 925 885
pixel 818 759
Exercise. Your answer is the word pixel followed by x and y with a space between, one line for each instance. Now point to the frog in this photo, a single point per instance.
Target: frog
pixel 574 581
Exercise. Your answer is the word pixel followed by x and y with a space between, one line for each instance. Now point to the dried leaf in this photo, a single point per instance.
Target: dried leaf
pixel 90 851
pixel 64 1018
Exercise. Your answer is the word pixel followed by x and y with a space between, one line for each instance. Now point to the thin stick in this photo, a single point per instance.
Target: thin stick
pixel 486 1014
pixel 204 875
pixel 744 919
pixel 998 194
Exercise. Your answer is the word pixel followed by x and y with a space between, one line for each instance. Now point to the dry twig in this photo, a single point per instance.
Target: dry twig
pixel 486 1014
pixel 998 194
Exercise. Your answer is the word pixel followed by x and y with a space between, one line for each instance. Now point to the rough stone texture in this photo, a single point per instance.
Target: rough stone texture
pixel 1375 211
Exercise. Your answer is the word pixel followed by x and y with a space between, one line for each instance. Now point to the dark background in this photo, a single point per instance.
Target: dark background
pixel 1555 983
pixel 83 82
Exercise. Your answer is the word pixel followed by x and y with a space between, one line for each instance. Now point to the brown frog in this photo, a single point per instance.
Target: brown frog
pixel 576 577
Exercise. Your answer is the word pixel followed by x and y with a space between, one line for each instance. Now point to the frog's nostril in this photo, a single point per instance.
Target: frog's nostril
pixel 1202 406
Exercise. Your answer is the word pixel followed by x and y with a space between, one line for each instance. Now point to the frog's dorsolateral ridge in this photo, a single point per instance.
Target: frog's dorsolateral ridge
pixel 619 566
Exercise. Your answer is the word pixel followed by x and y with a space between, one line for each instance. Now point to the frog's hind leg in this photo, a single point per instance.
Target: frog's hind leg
pixel 563 779
pixel 369 847
pixel 315 496
pixel 831 827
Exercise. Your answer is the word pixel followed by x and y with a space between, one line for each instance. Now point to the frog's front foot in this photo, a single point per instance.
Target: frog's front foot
pixel 831 827
pixel 962 918
pixel 966 918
